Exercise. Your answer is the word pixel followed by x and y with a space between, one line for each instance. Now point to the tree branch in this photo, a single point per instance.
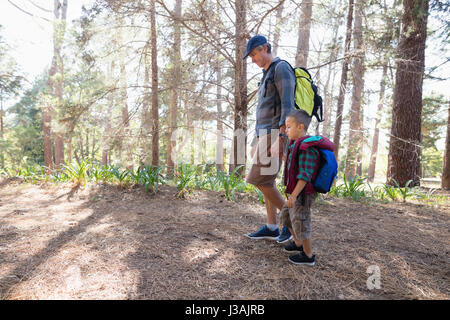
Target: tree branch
pixel 30 14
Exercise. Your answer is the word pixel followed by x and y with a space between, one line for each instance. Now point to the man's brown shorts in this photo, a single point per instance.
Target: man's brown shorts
pixel 299 217
pixel 265 168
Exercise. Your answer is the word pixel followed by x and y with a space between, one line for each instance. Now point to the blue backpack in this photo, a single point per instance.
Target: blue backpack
pixel 327 171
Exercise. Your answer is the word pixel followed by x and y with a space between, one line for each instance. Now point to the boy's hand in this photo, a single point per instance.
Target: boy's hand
pixel 290 202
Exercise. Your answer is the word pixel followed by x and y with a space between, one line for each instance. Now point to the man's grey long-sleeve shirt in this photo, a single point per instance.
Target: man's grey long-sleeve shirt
pixel 275 97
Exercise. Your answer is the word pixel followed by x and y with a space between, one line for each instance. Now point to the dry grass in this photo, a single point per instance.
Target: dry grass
pixel 58 242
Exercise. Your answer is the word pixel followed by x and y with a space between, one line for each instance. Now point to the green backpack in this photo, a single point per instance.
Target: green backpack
pixel 306 96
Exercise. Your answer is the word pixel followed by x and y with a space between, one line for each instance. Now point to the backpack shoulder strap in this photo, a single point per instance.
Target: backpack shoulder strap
pixel 272 75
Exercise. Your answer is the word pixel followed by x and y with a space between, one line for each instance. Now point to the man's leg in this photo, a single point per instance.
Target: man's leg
pixel 271 212
pixel 273 200
pixel 273 196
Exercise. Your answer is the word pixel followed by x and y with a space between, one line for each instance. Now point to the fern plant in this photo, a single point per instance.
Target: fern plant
pixel 77 172
pixel 121 176
pixel 184 178
pixel 151 177
pixel 353 187
pixel 404 192
pixel 230 182
pixel 390 191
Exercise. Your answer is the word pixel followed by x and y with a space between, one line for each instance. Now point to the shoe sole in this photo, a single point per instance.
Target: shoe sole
pixel 262 238
pixel 293 251
pixel 310 264
pixel 284 241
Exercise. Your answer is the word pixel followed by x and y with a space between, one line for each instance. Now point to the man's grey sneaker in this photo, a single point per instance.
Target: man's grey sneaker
pixel 302 259
pixel 285 235
pixel 292 247
pixel 265 233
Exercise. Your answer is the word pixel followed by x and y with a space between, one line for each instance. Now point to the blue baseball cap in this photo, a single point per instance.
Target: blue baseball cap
pixel 253 43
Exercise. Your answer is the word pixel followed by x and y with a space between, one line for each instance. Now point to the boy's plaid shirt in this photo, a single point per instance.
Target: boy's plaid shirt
pixel 308 163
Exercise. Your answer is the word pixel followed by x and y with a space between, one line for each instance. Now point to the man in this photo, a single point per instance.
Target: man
pixel 275 101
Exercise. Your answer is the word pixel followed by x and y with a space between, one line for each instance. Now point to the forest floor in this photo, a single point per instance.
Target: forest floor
pixel 102 242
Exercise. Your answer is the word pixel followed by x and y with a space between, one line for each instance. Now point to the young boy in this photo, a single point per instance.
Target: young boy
pixel 300 169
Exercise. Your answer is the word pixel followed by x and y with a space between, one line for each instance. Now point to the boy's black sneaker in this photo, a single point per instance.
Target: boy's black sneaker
pixel 292 247
pixel 302 259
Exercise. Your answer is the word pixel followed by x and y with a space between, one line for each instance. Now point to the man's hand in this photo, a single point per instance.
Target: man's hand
pixel 253 150
pixel 275 148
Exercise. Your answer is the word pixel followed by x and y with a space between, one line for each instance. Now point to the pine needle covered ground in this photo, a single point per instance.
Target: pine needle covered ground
pixel 102 242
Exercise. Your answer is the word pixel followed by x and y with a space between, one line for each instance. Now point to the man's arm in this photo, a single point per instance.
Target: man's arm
pixel 285 83
pixel 276 147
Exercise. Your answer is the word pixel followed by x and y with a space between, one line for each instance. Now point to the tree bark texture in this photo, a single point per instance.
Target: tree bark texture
pixel 125 143
pixel 445 183
pixel 405 140
pixel 106 141
pixel 219 138
pixel 59 134
pixel 376 135
pixel 240 86
pixel 328 94
pixel 155 115
pixel 176 73
pixel 343 85
pixel 355 125
pixel 301 58
pixel 276 34
pixel 54 83
pixel 144 157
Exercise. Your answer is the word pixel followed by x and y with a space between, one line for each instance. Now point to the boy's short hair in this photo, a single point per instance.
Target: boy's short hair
pixel 300 117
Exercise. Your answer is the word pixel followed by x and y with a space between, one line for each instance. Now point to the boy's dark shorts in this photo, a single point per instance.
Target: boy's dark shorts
pixel 299 217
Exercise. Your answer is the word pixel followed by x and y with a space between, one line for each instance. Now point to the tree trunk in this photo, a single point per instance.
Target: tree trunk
pixel 404 147
pixel 46 124
pixel 2 156
pixel 69 147
pixel 144 157
pixel 106 140
pixel 219 138
pixel 176 70
pixel 86 154
pixel 374 151
pixel 328 95
pixel 125 140
pixel 355 126
pixel 55 89
pixel 301 58
pixel 155 116
pixel 361 142
pixel 276 35
pixel 342 88
pixel 387 48
pixel 240 94
pixel 94 142
pixel 60 31
pixel 445 183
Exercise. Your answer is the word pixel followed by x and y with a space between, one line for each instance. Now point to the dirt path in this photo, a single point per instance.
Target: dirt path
pixel 57 242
